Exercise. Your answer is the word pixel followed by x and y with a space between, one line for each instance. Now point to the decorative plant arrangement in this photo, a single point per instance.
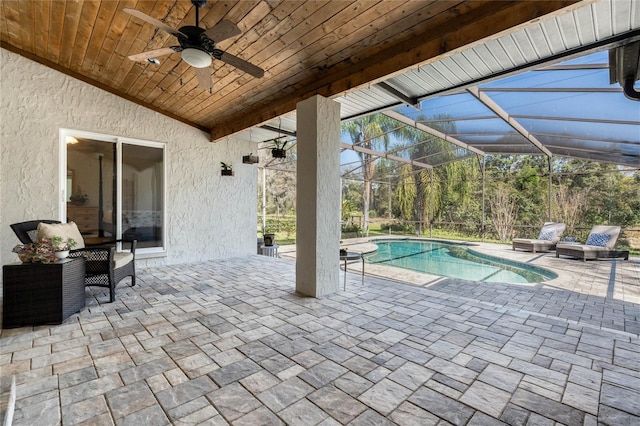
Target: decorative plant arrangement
pixel 62 247
pixel 250 159
pixel 279 151
pixel 42 251
pixel 227 169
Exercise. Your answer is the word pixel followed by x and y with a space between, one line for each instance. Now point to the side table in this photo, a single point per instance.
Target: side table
pixel 350 257
pixel 37 293
pixel 271 251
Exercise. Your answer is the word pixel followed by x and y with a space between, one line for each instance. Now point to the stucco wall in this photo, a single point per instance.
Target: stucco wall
pixel 208 216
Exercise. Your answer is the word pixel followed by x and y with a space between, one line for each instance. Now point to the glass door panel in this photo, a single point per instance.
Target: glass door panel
pixel 91 196
pixel 142 194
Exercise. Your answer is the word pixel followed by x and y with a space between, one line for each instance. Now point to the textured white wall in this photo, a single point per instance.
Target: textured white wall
pixel 208 216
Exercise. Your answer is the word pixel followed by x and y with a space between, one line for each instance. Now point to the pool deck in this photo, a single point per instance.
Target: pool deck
pixel 230 342
pixel 622 278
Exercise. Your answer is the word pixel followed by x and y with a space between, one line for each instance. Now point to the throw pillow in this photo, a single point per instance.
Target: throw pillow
pixel 64 230
pixel 598 239
pixel 547 234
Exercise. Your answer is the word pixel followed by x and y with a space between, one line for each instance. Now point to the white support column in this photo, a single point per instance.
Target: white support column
pixel 318 197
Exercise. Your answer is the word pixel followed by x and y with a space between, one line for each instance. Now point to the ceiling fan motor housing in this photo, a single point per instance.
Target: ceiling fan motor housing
pixel 195 38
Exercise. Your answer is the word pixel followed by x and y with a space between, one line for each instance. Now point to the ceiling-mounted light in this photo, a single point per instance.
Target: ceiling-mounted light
pixel 71 140
pixel 153 61
pixel 196 57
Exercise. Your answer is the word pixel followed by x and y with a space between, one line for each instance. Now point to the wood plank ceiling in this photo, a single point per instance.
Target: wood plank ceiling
pixel 305 48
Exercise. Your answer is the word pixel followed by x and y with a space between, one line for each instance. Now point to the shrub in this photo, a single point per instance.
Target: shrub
pixel 400 227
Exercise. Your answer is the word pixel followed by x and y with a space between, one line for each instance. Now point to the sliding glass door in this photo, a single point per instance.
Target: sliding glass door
pixel 142 194
pixel 115 188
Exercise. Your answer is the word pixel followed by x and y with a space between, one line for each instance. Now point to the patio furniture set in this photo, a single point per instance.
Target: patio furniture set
pixel 600 243
pixel 45 293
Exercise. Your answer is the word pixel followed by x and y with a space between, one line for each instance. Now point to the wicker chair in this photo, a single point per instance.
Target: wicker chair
pixel 105 267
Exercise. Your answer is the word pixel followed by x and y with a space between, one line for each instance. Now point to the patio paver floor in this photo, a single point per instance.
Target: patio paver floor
pixel 229 342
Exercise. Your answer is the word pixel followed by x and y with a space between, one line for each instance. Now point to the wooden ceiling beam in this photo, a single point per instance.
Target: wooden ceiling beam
pixel 493 18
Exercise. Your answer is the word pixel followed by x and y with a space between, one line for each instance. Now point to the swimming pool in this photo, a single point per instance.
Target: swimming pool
pixel 454 261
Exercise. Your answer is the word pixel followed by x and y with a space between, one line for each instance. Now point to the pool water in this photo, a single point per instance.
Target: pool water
pixel 454 261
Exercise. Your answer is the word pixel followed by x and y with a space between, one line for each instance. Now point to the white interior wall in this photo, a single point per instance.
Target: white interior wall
pixel 208 216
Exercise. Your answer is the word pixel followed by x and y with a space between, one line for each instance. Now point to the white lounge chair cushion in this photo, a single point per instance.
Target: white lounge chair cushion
pixel 552 231
pixel 579 247
pixel 122 258
pixel 532 241
pixel 611 231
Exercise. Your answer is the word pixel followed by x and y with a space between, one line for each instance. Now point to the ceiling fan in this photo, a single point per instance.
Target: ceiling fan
pixel 198 46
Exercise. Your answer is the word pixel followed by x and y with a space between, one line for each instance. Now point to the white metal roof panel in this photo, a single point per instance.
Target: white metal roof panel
pixel 580 27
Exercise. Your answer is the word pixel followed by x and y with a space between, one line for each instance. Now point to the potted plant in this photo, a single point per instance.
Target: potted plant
pixel 250 159
pixel 227 169
pixel 269 239
pixel 39 252
pixel 61 246
pixel 279 151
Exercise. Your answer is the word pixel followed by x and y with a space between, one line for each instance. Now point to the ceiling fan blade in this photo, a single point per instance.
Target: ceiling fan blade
pixel 153 21
pixel 222 31
pixel 151 54
pixel 242 65
pixel 204 78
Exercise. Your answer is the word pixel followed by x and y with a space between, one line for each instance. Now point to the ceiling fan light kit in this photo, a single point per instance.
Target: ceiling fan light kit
pixel 196 58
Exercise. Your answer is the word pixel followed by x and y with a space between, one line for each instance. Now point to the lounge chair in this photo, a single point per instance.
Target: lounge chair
pixel 600 245
pixel 549 235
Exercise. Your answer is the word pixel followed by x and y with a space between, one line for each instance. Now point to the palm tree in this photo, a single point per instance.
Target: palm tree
pixel 406 192
pixel 422 146
pixel 371 132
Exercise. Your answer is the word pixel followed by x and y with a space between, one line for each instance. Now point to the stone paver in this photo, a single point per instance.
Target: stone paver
pixel 229 341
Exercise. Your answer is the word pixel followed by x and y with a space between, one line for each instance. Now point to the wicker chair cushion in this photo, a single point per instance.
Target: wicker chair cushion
pixel 121 259
pixel 64 230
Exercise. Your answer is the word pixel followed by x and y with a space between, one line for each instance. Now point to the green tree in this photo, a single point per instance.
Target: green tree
pixel 504 210
pixel 406 193
pixel 442 185
pixel 370 132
